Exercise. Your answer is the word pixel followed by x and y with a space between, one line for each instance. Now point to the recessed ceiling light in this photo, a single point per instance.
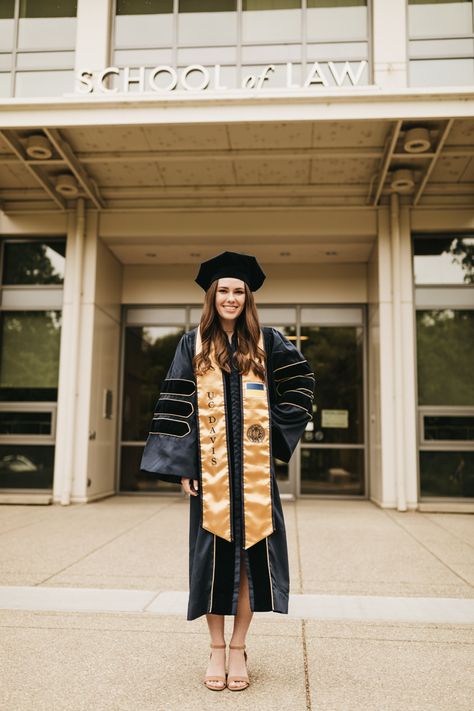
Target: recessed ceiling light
pixel 38 147
pixel 417 140
pixel 66 185
pixel 402 180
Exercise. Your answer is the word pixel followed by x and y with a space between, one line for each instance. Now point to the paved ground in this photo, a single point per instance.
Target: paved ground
pixel 93 597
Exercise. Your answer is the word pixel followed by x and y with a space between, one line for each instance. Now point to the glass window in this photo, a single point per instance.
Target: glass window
pixel 48 8
pixel 445 344
pixel 29 355
pixel 332 471
pixel 270 4
pixel 447 473
pixel 447 259
pixel 207 5
pixel 335 355
pixel 336 3
pixel 448 427
pixel 144 7
pixel 148 355
pixel 7 9
pixel 35 262
pixel 25 423
pixel 26 466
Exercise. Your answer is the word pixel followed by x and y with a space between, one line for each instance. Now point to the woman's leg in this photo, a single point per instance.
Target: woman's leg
pixel 242 620
pixel 217 661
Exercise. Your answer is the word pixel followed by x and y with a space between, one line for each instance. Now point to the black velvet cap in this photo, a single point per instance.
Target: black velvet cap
pixel 231 264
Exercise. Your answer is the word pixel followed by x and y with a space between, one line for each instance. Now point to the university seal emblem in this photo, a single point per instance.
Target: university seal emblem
pixel 256 433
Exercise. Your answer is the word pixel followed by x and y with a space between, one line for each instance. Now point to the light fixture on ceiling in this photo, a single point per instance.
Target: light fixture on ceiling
pixel 402 180
pixel 417 140
pixel 66 185
pixel 38 147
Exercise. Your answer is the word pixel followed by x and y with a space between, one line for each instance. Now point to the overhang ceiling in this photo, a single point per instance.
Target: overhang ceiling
pixel 239 165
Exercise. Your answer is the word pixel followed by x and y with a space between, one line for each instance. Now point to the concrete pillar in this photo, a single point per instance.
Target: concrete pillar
pixel 389 33
pixel 397 345
pixel 398 402
pixel 381 370
pixel 93 37
pixel 408 363
pixel 86 440
pixel 70 334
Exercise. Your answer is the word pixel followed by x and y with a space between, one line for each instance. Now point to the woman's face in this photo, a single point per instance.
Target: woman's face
pixel 230 298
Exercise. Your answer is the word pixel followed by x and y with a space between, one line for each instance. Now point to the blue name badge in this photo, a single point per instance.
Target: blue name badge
pixel 255 389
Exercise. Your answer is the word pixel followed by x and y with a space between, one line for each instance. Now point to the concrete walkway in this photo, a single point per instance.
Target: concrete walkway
pixel 93 600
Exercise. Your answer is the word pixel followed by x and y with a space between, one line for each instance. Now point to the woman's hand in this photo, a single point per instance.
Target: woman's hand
pixel 192 490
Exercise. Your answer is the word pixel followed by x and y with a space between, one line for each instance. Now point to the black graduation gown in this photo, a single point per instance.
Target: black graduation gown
pixel 172 452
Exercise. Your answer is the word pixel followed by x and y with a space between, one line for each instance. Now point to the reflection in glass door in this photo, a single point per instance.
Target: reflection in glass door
pixel 329 461
pixel 333 446
pixel 148 352
pixel 285 471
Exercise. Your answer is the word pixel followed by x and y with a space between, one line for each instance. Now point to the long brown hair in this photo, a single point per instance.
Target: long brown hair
pixel 248 356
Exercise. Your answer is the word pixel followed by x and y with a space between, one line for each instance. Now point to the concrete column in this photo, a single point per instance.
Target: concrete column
pixel 70 337
pixel 397 343
pixel 382 407
pixel 95 462
pixel 86 438
pixel 408 363
pixel 389 34
pixel 93 37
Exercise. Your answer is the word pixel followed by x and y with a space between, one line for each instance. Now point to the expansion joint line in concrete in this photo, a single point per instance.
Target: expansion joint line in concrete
pixel 298 552
pixel 306 666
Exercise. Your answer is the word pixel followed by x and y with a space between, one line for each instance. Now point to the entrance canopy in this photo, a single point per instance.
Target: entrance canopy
pixel 147 156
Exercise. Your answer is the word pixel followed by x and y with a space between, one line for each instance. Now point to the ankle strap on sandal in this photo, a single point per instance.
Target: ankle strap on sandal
pixel 236 646
pixel 218 646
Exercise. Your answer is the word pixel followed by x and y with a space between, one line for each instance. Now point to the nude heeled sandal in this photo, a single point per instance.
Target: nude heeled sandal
pixel 245 678
pixel 213 677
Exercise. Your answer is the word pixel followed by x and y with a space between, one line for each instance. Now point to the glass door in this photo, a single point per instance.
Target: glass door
pixel 283 318
pixel 330 459
pixel 332 451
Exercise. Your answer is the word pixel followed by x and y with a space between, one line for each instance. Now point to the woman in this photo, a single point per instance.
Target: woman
pixel 234 397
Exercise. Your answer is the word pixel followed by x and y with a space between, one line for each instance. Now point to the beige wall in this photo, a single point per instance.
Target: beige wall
pixel 104 375
pixel 374 434
pixel 295 283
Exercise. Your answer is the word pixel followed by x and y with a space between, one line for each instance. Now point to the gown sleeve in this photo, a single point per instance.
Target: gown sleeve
pixel 291 384
pixel 171 448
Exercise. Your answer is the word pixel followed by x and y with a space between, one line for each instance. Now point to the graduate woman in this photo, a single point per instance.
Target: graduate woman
pixel 236 395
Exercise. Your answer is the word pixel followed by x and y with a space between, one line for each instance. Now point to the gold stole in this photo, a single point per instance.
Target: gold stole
pixel 214 453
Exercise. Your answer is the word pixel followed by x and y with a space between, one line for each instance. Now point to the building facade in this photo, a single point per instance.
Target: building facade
pixel 333 139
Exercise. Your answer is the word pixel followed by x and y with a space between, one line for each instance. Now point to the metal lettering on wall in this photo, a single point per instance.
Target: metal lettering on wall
pixel 196 78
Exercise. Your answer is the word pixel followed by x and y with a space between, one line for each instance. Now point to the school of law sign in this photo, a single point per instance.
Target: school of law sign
pixel 197 78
